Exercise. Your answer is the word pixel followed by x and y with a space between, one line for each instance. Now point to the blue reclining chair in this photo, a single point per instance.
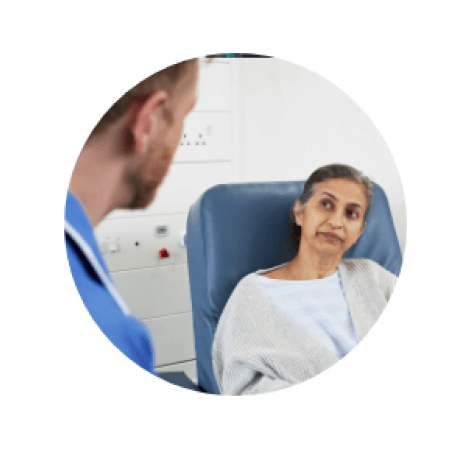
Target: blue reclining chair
pixel 236 229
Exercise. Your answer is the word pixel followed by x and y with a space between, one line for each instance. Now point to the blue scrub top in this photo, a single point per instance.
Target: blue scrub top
pixel 97 289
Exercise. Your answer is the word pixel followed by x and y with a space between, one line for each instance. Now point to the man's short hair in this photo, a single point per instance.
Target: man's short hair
pixel 166 80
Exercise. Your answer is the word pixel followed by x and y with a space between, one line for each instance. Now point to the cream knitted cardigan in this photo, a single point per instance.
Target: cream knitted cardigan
pixel 258 349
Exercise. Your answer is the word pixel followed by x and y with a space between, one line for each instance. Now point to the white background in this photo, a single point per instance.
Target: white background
pixel 63 386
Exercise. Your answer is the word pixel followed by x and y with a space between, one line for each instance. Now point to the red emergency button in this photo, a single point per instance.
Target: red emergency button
pixel 163 253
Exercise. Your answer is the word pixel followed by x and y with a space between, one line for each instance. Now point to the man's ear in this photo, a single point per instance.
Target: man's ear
pixel 298 210
pixel 146 118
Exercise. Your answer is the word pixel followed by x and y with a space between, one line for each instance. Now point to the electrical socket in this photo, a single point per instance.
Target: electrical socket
pixel 196 136
pixel 206 137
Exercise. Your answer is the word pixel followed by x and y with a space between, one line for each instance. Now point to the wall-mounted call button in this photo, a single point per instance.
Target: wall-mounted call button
pixel 163 253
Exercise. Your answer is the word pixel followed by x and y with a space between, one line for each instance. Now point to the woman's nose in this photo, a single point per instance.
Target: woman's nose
pixel 336 219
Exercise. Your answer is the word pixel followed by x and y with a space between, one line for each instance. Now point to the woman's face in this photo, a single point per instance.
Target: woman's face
pixel 332 220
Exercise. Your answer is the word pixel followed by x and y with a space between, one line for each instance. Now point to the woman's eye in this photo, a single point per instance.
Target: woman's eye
pixel 352 214
pixel 326 204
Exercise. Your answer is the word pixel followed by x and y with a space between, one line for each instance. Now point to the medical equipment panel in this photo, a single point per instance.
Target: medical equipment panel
pixel 138 243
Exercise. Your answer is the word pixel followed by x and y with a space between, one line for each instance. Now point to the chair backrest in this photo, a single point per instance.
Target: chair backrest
pixel 235 229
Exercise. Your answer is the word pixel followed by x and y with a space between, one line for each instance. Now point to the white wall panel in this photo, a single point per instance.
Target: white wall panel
pixel 158 291
pixel 173 338
pixel 138 243
pixel 189 182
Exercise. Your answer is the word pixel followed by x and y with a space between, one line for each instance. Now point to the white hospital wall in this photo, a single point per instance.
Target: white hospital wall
pixel 260 120
pixel 293 121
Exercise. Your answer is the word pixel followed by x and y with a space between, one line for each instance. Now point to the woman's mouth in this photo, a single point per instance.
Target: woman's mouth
pixel 331 237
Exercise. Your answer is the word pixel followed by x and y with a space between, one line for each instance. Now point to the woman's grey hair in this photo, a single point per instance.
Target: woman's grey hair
pixel 322 174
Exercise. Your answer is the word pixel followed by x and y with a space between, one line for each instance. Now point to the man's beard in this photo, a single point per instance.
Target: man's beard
pixel 144 183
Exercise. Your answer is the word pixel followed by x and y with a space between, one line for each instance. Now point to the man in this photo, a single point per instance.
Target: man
pixel 121 165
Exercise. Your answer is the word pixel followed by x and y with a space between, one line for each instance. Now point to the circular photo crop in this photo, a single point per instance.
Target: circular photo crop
pixel 235 224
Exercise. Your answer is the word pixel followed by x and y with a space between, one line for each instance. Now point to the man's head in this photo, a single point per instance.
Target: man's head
pixel 145 125
pixel 173 80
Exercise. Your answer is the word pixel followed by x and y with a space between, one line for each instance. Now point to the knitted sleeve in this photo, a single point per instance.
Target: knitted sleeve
pixel 241 350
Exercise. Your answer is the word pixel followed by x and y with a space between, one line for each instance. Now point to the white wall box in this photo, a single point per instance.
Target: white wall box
pixel 154 292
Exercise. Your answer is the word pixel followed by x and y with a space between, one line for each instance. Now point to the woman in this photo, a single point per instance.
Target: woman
pixel 286 324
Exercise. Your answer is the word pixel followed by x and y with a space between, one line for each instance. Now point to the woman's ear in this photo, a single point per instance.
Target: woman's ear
pixel 298 210
pixel 145 119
